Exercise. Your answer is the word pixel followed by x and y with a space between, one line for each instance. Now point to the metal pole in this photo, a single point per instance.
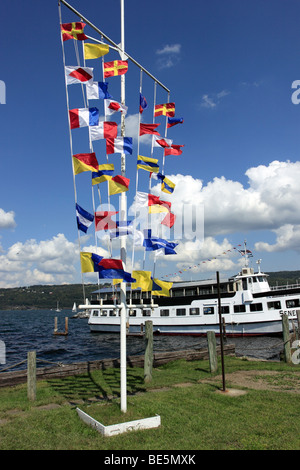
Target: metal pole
pixel 123 200
pixel 221 332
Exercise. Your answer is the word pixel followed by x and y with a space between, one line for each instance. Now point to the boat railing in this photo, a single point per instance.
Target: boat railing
pixel 284 287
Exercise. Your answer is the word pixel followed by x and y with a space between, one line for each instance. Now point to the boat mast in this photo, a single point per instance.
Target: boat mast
pixel 246 254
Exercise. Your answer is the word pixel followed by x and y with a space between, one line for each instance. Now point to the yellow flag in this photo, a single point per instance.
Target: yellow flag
pixel 93 51
pixel 165 287
pixel 117 281
pixel 87 265
pixel 143 280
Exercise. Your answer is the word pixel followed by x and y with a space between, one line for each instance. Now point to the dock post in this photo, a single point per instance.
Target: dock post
pixel 55 324
pixel 148 360
pixel 286 338
pixel 212 351
pixel 66 325
pixel 31 375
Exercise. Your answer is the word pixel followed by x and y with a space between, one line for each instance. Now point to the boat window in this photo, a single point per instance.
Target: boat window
pixel 204 291
pixel 239 308
pixel 261 279
pixel 180 312
pixel 132 313
pixel 147 312
pixel 144 295
pixel 245 284
pixel 225 309
pixel 195 311
pixel 292 303
pixel 164 312
pixel 177 292
pixel 274 305
pixel 191 291
pixel 256 307
pixel 95 313
pixel 103 313
pixel 208 310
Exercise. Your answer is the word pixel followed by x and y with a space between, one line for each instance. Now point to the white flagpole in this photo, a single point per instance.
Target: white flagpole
pixel 123 209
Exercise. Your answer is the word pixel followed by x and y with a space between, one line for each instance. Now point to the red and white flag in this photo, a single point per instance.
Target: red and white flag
pixel 104 130
pixel 160 142
pixel 112 107
pixel 78 74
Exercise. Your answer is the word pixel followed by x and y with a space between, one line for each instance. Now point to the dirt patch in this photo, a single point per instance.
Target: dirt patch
pixel 261 380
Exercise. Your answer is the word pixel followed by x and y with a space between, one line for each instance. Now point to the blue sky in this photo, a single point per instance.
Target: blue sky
pixel 230 68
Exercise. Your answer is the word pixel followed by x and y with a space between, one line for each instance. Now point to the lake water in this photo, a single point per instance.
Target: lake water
pixel 26 330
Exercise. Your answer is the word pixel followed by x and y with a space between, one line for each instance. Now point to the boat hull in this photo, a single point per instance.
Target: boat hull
pixel 238 330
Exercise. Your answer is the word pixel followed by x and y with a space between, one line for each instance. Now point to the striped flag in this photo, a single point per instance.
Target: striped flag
pixel 119 145
pixel 104 173
pixel 83 117
pixel 84 218
pixel 104 130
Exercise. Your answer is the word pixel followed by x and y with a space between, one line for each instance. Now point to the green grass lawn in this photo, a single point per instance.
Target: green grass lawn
pixel 193 416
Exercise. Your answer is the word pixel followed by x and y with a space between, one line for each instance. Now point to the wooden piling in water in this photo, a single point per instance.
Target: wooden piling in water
pixel 61 333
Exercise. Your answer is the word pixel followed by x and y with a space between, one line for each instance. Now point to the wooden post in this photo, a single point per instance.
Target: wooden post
pixel 55 324
pixel 148 361
pixel 31 375
pixel 66 325
pixel 212 351
pixel 286 338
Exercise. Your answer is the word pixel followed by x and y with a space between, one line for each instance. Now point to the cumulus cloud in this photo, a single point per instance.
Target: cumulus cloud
pixel 7 219
pixel 38 262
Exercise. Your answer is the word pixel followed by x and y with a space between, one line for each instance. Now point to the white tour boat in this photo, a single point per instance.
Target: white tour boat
pixel 249 307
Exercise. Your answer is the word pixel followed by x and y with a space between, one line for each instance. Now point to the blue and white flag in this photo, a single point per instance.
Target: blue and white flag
pixel 153 243
pixel 97 90
pixel 84 219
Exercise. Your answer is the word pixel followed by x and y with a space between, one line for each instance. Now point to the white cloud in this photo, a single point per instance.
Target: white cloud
pixel 169 49
pixel 213 100
pixel 287 238
pixel 7 219
pixel 37 262
pixel 169 55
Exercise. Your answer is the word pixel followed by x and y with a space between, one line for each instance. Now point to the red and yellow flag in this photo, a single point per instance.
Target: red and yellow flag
pixel 73 31
pixel 166 109
pixel 116 67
